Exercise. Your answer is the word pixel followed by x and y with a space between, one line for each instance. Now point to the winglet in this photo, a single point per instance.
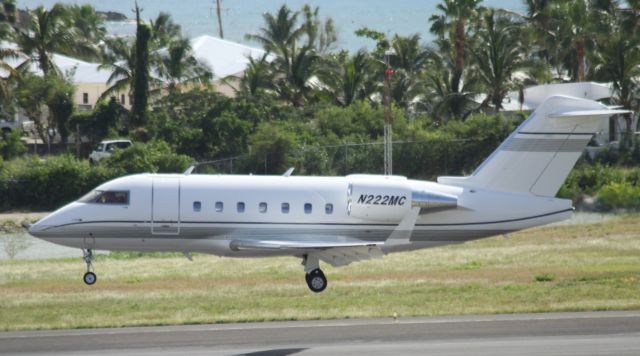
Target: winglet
pixel 190 170
pixel 401 235
pixel 288 172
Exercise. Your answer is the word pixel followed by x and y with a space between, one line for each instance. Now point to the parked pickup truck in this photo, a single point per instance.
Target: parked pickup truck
pixel 106 148
pixel 7 126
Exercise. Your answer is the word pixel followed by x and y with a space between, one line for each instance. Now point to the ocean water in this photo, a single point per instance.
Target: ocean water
pixel 240 17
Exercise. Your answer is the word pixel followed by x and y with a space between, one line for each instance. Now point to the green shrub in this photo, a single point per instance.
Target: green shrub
pixel 42 184
pixel 152 157
pixel 588 179
pixel 11 145
pixel 619 195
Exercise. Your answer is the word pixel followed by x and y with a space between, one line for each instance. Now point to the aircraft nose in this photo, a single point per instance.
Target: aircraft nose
pixel 41 228
pixel 35 229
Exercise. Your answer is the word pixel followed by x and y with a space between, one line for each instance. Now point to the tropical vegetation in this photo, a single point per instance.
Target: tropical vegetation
pixel 306 103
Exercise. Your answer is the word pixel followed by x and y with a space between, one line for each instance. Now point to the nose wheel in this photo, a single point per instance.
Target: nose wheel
pixel 89 278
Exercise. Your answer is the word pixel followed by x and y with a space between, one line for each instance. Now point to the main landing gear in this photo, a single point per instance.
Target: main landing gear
pixel 314 276
pixel 89 278
pixel 316 280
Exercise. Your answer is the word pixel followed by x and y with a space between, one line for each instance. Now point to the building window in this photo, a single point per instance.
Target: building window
pixel 122 99
pixel 307 208
pixel 241 207
pixel 262 207
pixel 85 98
pixel 197 206
pixel 328 209
pixel 285 208
pixel 219 206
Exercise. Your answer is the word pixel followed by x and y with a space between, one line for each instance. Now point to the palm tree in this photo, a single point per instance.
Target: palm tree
pixel 320 34
pixel 408 61
pixel 280 33
pixel 498 55
pixel 349 77
pixel 87 22
pixel 617 60
pixel 294 84
pixel 257 77
pixel 7 21
pixel 164 31
pixel 178 66
pixel 453 20
pixel 440 99
pixel 49 32
pixel 6 90
pixel 576 27
pixel 120 60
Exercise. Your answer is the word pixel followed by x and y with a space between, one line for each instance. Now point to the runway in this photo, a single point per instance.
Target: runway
pixel 594 333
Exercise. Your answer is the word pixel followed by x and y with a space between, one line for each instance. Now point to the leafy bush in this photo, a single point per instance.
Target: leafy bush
pixel 34 183
pixel 617 195
pixel 11 145
pixel 152 157
pixel 588 179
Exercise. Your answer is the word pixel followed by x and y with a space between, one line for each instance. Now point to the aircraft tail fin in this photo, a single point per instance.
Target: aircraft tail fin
pixel 538 156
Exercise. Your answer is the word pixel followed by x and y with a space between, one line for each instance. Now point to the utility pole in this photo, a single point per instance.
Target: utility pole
pixel 220 32
pixel 388 118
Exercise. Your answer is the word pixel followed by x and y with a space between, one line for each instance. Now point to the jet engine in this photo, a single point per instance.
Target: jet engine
pixel 391 201
pixel 377 201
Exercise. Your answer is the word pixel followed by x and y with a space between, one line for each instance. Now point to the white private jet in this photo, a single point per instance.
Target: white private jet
pixel 337 220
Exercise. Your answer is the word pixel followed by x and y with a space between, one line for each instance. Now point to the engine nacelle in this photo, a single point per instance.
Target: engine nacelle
pixel 379 201
pixel 391 201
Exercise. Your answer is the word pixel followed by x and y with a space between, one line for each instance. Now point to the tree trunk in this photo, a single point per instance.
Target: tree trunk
pixel 43 60
pixel 141 72
pixel 580 58
pixel 459 66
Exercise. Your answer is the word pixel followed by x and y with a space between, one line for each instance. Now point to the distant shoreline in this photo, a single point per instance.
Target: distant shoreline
pixel 108 16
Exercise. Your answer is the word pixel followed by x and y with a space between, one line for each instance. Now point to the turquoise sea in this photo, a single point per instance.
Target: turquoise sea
pixel 239 17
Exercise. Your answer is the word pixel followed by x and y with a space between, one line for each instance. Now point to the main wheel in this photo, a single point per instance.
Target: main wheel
pixel 316 280
pixel 90 278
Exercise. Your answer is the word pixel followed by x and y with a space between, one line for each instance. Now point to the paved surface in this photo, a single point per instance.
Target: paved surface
pixel 600 333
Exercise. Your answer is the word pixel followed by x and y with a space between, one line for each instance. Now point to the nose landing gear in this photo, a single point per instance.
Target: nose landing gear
pixel 89 278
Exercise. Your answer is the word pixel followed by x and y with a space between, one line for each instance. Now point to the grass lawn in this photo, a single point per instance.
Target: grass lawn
pixel 558 268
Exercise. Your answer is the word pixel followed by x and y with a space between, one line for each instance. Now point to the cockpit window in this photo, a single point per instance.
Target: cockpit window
pixel 120 197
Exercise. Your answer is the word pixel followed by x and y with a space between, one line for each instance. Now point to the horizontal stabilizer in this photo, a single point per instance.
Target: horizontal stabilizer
pixel 586 113
pixel 538 156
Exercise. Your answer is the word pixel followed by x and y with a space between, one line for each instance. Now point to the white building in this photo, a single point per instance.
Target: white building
pixel 224 58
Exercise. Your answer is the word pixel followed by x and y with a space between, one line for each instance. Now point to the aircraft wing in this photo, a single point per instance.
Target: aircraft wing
pixel 328 250
pixel 336 251
pixel 316 242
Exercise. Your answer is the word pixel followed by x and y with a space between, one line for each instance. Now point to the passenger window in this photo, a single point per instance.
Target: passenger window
pixel 262 207
pixel 328 209
pixel 197 206
pixel 219 206
pixel 241 207
pixel 285 208
pixel 307 208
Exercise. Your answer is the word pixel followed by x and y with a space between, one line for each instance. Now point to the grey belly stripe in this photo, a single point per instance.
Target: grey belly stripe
pixel 546 145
